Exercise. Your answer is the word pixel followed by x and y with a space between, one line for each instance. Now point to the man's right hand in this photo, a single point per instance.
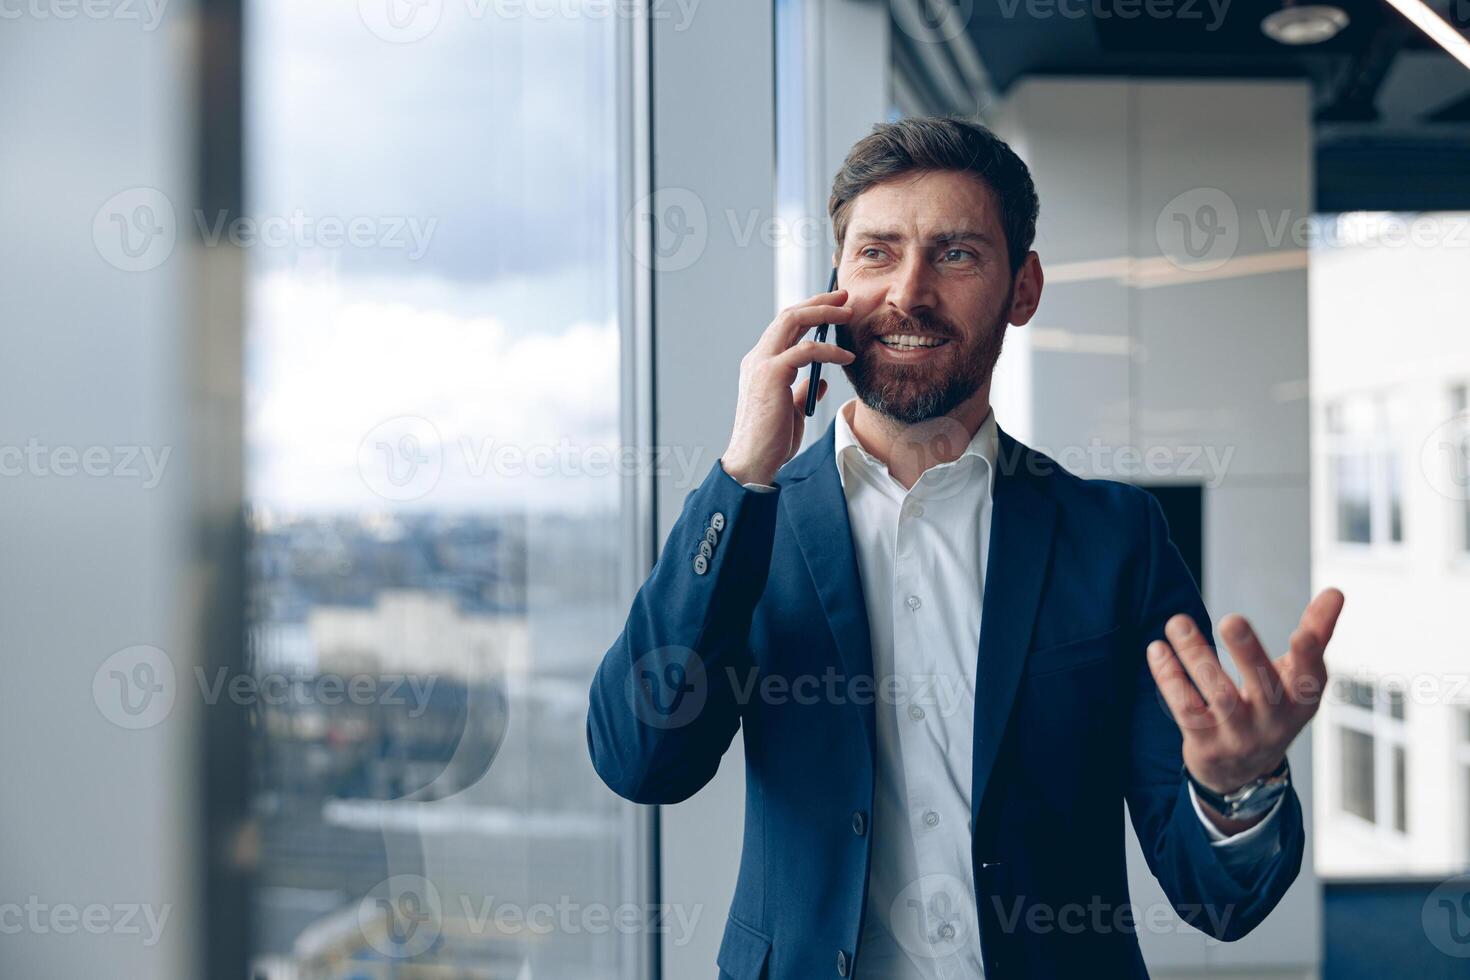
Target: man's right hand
pixel 770 416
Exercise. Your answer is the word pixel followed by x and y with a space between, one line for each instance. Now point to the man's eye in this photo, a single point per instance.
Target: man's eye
pixel 872 253
pixel 957 254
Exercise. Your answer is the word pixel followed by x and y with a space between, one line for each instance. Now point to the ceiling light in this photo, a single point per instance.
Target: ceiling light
pixel 1436 27
pixel 1311 24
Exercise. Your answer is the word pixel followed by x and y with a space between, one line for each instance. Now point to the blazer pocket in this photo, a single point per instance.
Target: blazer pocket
pixel 743 952
pixel 1074 653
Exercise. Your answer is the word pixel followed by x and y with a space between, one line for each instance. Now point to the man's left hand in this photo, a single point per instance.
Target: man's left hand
pixel 1233 735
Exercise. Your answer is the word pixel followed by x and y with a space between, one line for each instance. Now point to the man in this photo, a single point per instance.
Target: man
pixel 952 660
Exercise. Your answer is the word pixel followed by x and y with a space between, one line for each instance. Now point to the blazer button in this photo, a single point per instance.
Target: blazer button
pixel 706 549
pixel 701 564
pixel 712 536
pixel 859 823
pixel 717 521
pixel 843 963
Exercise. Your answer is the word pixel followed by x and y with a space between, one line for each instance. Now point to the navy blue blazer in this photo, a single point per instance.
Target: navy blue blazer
pixel 1069 723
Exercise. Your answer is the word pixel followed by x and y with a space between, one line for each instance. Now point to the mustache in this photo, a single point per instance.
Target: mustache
pixel 924 322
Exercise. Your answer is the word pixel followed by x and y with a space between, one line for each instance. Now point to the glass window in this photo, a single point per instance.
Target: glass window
pixel 1400 790
pixel 1360 694
pixel 1395 696
pixel 1353 480
pixel 1366 469
pixel 1357 776
pixel 802 233
pixel 1460 457
pixel 1394 476
pixel 433 383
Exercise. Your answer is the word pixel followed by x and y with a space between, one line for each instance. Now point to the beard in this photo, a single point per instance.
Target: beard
pixel 913 393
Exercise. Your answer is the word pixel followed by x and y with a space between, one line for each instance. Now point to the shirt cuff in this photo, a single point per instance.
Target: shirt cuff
pixel 1220 839
pixel 759 487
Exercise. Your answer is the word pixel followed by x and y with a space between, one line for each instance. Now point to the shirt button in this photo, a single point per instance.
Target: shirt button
pixel 946 931
pixel 916 712
pixel 913 602
pixel 931 819
pixel 859 823
pixel 916 510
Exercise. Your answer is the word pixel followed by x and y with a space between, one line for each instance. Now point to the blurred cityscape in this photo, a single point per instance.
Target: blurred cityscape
pixel 397 740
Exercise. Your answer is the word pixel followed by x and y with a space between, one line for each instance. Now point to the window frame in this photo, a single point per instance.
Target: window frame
pixel 1379 446
pixel 1387 733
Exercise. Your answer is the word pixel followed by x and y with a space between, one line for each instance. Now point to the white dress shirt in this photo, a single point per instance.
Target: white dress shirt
pixel 921 557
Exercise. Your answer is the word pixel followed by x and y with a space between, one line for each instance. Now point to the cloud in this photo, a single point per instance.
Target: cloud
pixel 328 362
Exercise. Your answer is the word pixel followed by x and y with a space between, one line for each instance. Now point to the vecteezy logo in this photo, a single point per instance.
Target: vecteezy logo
pixel 667 687
pixel 1199 230
pixel 676 219
pixel 135 687
pixel 402 917
pixel 135 230
pixel 930 918
pixel 934 21
pixel 401 21
pixel 402 458
pixel 1446 917
pixel 1445 457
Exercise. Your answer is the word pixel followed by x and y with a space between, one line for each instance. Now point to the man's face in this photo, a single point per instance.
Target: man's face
pixel 925 265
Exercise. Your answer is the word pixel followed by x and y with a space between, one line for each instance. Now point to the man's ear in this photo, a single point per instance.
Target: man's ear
pixel 1026 293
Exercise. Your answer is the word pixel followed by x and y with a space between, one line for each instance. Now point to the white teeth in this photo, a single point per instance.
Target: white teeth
pixel 908 340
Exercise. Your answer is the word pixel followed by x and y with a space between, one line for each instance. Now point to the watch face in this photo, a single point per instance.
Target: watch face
pixel 1257 799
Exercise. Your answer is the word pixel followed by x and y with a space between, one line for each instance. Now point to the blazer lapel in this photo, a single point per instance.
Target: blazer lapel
pixel 1022 521
pixel 817 509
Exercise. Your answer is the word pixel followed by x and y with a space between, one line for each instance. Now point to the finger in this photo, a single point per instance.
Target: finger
pixel 1322 612
pixel 1308 645
pixel 1305 650
pixel 1185 704
pixel 1260 679
pixel 809 351
pixel 1302 670
pixel 1203 666
pixel 798 394
pixel 794 321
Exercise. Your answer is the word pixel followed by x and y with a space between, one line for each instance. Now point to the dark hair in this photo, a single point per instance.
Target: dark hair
pixel 913 146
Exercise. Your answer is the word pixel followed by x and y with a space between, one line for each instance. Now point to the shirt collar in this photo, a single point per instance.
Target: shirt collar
pixel 982 448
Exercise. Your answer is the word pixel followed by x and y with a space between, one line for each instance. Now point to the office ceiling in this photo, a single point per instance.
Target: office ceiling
pixel 1392 109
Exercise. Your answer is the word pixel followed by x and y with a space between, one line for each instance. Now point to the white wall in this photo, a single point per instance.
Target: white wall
pixel 1141 346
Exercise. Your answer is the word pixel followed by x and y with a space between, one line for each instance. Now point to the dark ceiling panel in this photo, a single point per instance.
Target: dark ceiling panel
pixel 1376 166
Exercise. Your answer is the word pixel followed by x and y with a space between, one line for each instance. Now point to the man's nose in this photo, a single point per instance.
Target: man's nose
pixel 912 288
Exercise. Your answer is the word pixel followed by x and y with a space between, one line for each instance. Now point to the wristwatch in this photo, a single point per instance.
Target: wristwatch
pixel 1250 800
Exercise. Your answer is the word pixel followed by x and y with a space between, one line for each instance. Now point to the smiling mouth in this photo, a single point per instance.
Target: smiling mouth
pixel 908 341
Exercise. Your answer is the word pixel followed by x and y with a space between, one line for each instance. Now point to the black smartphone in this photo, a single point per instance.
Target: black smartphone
pixel 816 366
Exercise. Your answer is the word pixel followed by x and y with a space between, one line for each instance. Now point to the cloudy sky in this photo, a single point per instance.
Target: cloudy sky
pixel 478 299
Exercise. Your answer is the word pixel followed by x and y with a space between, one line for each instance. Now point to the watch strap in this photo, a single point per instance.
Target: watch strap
pixel 1239 802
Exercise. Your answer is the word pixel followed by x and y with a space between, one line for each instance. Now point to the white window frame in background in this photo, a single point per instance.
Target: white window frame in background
pixel 1387 733
pixel 1381 447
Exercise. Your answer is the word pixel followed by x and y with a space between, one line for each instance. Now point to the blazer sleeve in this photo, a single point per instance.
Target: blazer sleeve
pixel 1204 891
pixel 665 701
